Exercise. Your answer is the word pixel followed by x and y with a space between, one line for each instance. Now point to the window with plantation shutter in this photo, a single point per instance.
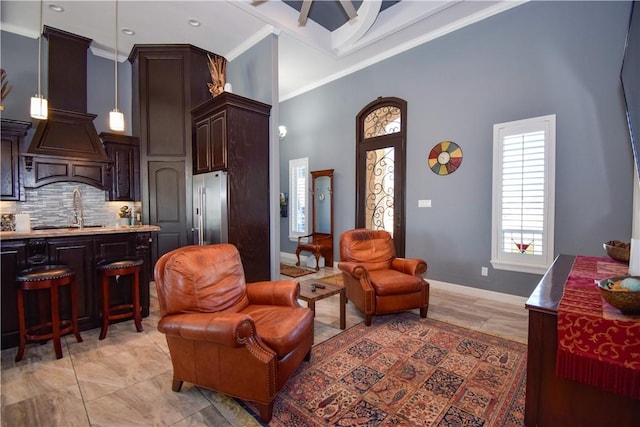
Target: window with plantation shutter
pixel 523 195
pixel 298 172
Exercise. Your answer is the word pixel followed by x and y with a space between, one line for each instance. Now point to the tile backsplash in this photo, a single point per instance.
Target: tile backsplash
pixel 53 205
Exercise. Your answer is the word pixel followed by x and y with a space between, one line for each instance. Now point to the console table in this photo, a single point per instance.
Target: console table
pixel 552 400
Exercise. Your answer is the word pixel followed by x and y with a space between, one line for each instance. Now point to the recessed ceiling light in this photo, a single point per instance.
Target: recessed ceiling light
pixel 128 31
pixel 56 8
pixel 194 23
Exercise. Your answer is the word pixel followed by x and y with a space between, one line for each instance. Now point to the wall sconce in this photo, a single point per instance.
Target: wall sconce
pixel 282 131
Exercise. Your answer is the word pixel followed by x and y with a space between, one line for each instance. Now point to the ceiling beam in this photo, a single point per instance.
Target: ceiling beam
pixel 304 12
pixel 348 8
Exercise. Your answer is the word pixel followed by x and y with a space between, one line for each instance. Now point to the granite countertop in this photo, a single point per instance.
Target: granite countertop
pixel 72 231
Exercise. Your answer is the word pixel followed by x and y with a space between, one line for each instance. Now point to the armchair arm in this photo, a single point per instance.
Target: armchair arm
pixel 353 269
pixel 229 329
pixel 277 292
pixel 412 266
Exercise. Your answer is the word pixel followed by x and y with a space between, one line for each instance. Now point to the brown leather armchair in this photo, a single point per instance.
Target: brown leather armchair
pixel 244 340
pixel 377 282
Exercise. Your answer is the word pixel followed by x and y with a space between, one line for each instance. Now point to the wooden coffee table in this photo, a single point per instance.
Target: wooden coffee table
pixel 329 290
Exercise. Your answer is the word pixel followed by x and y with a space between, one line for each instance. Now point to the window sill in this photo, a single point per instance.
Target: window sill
pixel 518 267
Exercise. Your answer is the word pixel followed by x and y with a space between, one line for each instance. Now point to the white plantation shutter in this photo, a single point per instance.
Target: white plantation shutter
pixel 523 192
pixel 298 172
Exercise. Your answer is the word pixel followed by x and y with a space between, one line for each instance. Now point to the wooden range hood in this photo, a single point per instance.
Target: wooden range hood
pixel 66 147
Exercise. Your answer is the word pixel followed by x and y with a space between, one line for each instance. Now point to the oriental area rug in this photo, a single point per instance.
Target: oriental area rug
pixel 407 371
pixel 292 271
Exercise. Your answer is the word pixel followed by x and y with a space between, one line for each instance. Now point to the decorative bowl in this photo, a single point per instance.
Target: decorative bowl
pixel 618 250
pixel 625 300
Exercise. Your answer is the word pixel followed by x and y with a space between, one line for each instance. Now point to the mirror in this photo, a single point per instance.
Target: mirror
pixel 320 241
pixel 322 201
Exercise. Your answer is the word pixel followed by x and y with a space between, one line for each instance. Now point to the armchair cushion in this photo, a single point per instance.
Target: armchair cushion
pixel 392 282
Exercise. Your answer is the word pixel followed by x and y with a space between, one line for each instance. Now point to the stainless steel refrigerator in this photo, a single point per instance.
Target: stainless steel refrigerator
pixel 210 221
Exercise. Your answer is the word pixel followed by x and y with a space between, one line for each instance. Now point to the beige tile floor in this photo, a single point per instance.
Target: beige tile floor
pixel 125 380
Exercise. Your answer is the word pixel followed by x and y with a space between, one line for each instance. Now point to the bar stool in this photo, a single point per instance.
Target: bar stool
pixel 51 278
pixel 117 268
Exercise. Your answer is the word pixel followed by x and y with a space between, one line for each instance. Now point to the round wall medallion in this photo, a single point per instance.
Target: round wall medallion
pixel 445 157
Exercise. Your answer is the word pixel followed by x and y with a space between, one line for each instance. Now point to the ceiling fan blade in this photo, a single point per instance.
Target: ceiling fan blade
pixel 348 8
pixel 304 11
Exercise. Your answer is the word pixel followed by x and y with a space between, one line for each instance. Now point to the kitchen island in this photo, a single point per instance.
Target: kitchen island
pixel 81 249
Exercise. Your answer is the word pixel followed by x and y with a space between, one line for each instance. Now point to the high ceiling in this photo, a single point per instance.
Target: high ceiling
pixel 327 46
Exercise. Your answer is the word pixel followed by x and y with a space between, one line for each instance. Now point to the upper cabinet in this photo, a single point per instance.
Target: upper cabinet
pixel 11 136
pixel 223 127
pixel 209 143
pixel 124 153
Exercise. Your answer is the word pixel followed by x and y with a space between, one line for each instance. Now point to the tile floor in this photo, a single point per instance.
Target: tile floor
pixel 125 380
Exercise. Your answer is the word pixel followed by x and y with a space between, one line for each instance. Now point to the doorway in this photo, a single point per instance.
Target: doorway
pixel 380 168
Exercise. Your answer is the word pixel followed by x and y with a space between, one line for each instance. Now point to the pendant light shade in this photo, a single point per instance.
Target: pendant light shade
pixel 39 105
pixel 116 118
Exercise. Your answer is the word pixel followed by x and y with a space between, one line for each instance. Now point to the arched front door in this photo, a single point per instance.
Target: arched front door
pixel 380 168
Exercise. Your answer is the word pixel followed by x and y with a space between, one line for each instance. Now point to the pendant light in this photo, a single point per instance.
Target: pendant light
pixel 116 118
pixel 39 104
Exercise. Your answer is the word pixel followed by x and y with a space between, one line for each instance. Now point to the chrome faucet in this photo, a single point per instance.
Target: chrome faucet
pixel 78 218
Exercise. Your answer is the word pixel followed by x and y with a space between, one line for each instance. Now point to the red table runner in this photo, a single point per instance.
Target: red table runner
pixel 594 348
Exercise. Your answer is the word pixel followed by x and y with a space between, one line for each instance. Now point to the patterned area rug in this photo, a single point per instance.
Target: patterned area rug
pixel 404 370
pixel 292 271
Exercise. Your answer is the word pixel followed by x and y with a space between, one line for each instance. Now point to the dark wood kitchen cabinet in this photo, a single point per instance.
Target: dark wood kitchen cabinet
pixel 231 132
pixel 124 153
pixel 81 253
pixel 168 80
pixel 12 133
pixel 210 143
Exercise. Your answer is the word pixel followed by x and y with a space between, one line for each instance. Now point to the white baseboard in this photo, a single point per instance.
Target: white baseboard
pixel 478 293
pixel 289 258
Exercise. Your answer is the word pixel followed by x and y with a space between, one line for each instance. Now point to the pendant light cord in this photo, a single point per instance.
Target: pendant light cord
pixel 40 53
pixel 115 57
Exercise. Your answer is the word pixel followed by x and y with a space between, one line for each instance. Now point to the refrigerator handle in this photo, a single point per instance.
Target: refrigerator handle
pixel 201 217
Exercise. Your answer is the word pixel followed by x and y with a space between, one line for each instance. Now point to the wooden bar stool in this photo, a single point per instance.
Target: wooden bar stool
pixel 117 268
pixel 51 278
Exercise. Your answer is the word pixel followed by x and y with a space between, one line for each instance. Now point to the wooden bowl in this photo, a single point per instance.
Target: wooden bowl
pixel 618 250
pixel 628 302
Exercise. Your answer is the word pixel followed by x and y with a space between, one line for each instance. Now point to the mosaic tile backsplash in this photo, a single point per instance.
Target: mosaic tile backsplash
pixel 52 205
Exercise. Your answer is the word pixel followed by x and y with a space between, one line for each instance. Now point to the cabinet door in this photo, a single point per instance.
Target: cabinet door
pixel 9 184
pixel 13 258
pixel 218 135
pixel 210 143
pixel 79 255
pixel 124 185
pixel 201 149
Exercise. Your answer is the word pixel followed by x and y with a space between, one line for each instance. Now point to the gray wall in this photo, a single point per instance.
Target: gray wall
pixel 20 60
pixel 540 58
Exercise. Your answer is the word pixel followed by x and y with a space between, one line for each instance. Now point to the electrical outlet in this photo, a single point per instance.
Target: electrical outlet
pixel 424 203
pixel 485 271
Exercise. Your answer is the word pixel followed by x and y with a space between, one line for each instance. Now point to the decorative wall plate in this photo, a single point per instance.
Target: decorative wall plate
pixel 445 157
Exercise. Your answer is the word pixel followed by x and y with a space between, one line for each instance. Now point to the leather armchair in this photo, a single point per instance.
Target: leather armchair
pixel 244 340
pixel 377 282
